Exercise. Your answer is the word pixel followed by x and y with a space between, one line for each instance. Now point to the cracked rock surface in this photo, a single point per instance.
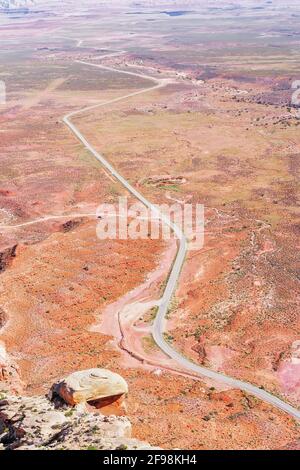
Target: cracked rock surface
pixel 33 423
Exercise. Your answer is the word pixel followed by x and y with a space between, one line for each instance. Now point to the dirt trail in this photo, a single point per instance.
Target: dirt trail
pixel 122 319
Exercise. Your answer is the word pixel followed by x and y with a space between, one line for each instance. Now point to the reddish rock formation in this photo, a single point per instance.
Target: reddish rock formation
pixel 6 257
pixel 96 388
pixel 9 373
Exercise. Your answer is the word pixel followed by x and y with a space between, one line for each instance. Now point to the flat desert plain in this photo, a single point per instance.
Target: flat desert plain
pixel 221 132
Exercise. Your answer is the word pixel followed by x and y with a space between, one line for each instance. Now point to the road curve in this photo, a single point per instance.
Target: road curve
pixel 160 321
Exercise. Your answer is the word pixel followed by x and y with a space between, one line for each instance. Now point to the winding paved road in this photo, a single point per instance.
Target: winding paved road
pixel 160 321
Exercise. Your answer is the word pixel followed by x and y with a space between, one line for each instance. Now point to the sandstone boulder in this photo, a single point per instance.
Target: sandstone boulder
pixel 97 388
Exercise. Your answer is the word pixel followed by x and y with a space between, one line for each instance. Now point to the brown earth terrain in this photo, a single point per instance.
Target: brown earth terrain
pixel 222 134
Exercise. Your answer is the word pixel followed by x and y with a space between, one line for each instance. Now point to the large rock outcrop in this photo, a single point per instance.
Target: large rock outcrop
pixel 98 388
pixel 33 423
pixel 37 423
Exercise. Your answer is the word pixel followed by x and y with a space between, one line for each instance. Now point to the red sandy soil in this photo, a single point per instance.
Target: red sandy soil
pixel 236 306
pixel 69 301
pixel 56 298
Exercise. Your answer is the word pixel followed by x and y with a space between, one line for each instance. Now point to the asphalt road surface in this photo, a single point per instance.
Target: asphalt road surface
pixel 160 320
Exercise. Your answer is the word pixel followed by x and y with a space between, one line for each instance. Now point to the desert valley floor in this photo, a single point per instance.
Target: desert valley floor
pixel 221 133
